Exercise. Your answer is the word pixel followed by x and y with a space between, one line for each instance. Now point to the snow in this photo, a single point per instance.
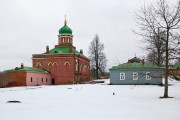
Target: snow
pixel 90 102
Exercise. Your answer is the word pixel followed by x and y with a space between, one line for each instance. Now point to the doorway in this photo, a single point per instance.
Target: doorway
pixel 37 84
pixel 53 81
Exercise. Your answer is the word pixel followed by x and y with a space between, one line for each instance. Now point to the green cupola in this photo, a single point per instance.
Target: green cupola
pixel 65 29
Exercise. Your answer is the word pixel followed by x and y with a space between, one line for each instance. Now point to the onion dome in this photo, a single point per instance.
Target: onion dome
pixel 65 29
pixel 135 60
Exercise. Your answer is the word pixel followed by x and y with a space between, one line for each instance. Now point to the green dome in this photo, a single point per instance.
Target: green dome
pixel 65 29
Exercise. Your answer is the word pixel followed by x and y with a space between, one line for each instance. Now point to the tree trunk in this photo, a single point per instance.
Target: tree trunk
pixel 97 59
pixel 166 67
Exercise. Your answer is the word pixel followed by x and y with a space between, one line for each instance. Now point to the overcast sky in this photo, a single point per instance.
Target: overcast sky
pixel 27 26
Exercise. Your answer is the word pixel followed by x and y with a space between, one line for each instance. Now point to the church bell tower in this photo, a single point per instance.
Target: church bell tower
pixel 65 37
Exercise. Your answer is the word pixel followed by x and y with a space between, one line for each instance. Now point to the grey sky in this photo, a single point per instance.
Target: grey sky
pixel 27 26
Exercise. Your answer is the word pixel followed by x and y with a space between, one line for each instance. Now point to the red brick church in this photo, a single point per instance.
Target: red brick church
pixel 61 65
pixel 64 62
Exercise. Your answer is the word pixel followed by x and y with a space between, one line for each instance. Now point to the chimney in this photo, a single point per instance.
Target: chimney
pixel 22 65
pixel 142 61
pixel 129 61
pixel 47 49
pixel 70 49
pixel 81 51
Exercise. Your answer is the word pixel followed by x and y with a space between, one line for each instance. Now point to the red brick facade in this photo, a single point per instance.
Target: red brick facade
pixel 62 67
pixel 65 64
pixel 24 78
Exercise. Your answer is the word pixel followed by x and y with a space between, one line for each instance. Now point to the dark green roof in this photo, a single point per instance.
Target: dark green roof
pixel 135 66
pixel 29 69
pixel 175 67
pixel 135 60
pixel 62 50
pixel 65 30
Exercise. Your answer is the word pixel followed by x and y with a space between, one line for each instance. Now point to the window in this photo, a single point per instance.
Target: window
pixel 135 76
pixel 37 81
pixel 46 79
pixel 122 76
pixel 42 79
pixel 68 40
pixel 148 77
pixel 31 79
pixel 80 69
pixel 76 65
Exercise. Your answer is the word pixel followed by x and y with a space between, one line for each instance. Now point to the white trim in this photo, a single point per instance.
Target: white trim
pixel 50 55
pixel 122 76
pixel 50 63
pixel 38 63
pixel 67 62
pixel 148 77
pixel 81 59
pixel 76 65
pixel 135 76
pixel 55 63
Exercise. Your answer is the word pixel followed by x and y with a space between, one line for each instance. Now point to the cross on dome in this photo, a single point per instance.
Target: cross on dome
pixel 65 21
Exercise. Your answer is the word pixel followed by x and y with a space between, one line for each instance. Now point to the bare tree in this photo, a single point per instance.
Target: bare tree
pixel 160 15
pixel 97 56
pixel 177 62
pixel 156 48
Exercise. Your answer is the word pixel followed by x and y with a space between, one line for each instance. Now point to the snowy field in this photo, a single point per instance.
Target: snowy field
pixel 90 102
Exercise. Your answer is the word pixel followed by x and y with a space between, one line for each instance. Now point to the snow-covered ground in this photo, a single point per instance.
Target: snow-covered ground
pixel 90 102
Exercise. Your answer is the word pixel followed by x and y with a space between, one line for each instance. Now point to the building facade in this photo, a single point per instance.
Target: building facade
pixel 174 72
pixel 25 76
pixel 65 64
pixel 136 72
pixel 61 65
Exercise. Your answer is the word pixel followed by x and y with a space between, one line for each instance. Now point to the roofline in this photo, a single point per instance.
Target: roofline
pixel 62 53
pixel 133 68
pixel 27 71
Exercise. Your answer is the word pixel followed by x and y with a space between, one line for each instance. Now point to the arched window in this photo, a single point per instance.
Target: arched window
pixel 67 63
pixel 80 68
pixel 38 64
pixel 50 64
pixel 76 65
pixel 55 64
pixel 84 68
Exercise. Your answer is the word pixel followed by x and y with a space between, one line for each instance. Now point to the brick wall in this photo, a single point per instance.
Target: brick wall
pixel 62 67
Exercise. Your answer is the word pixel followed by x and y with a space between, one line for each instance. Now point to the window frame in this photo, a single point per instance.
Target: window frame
pixel 135 74
pixel 122 76
pixel 148 77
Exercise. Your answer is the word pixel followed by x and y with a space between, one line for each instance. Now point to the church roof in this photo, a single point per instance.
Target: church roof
pixel 27 69
pixel 65 29
pixel 135 60
pixel 62 50
pixel 135 66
